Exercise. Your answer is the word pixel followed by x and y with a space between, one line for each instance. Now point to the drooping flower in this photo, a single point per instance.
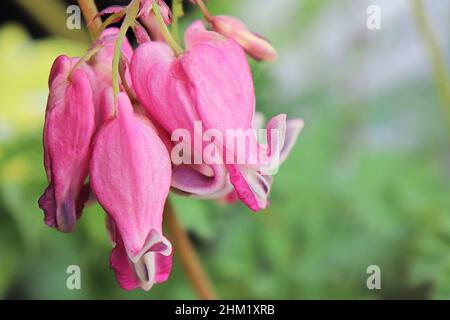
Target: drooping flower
pixel 211 82
pixel 130 175
pixel 68 130
pixel 255 45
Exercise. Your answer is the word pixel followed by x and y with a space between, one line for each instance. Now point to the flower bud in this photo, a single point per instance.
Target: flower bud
pixel 255 45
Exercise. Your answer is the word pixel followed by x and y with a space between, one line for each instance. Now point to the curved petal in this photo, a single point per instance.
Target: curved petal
pixel 251 186
pixel 61 65
pixel 153 266
pixel 122 266
pixel 253 182
pixel 190 179
pixel 162 87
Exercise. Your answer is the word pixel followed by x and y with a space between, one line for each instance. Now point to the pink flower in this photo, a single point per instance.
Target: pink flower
pixel 68 130
pixel 130 175
pixel 211 82
pixel 255 45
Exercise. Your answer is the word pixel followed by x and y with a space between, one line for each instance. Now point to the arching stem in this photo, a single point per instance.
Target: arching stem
pixel 131 14
pixel 204 10
pixel 165 31
pixel 188 257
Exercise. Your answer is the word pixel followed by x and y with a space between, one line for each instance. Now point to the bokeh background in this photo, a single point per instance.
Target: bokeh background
pixel 367 183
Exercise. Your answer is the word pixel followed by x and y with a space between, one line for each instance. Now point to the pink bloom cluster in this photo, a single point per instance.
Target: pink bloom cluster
pixel 117 149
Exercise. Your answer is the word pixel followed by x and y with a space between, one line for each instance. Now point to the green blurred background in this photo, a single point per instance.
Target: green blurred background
pixel 367 183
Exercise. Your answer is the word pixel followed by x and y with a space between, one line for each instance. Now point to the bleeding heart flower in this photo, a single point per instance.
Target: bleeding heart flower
pixel 211 82
pixel 68 130
pixel 255 45
pixel 130 175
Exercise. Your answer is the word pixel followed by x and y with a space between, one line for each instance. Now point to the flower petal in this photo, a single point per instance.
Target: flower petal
pixel 224 95
pixel 162 87
pixel 153 266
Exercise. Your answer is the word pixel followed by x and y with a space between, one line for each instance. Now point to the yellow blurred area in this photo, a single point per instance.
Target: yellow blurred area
pixel 16 170
pixel 24 65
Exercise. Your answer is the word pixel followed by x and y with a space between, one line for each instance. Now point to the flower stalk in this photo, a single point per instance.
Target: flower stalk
pixel 188 256
pixel 177 12
pixel 131 14
pixel 111 19
pixel 201 5
pixel 89 10
pixel 165 31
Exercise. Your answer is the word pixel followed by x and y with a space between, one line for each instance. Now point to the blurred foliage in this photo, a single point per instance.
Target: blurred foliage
pixel 340 203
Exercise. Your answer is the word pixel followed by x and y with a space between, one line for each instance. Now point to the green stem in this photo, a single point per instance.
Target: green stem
pixel 131 14
pixel 122 72
pixel 201 5
pixel 91 52
pixel 177 12
pixel 109 21
pixel 441 76
pixel 188 256
pixel 165 31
